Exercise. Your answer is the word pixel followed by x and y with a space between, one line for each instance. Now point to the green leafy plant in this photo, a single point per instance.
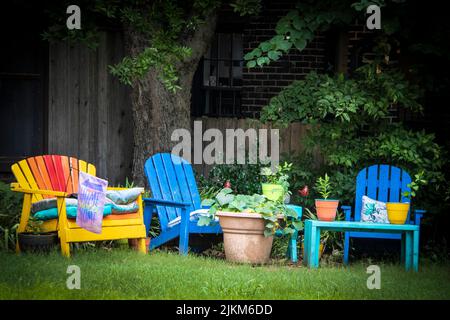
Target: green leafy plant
pixel 9 237
pixel 297 28
pixel 350 128
pixel 277 216
pixel 10 209
pixel 34 225
pixel 279 176
pixel 323 186
pixel 415 185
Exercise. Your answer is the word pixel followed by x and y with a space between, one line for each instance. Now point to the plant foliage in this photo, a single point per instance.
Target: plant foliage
pixel 277 215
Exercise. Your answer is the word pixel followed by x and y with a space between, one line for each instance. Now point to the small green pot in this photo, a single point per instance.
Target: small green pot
pixel 272 192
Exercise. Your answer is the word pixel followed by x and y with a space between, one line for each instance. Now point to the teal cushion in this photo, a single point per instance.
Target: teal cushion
pixel 52 213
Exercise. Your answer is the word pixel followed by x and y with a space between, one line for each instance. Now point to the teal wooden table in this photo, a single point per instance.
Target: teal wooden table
pixel 409 232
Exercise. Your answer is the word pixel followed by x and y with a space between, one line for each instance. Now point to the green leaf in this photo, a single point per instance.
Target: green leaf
pixel 298 225
pixel 207 202
pixel 265 46
pixel 204 221
pixel 284 45
pixel 298 23
pixel 300 44
pixel 260 61
pixel 274 55
pixel 268 233
pixel 224 199
pixel 251 64
pixel 250 55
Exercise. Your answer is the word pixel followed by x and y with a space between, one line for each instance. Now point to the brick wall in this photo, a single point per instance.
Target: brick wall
pixel 261 84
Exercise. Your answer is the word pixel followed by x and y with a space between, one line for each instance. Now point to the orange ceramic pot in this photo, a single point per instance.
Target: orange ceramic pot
pixel 326 209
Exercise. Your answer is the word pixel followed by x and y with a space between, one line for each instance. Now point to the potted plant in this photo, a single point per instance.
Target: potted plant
pixel 275 184
pixel 398 211
pixel 326 208
pixel 249 223
pixel 35 240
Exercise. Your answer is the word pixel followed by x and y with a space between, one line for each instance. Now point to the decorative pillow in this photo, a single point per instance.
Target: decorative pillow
pixel 51 203
pixel 124 196
pixel 71 212
pixel 373 211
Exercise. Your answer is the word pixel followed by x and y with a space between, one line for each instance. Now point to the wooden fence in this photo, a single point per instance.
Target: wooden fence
pixel 291 138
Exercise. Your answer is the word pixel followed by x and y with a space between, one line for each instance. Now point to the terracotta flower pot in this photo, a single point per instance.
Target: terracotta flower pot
pixel 326 209
pixel 243 237
pixel 397 212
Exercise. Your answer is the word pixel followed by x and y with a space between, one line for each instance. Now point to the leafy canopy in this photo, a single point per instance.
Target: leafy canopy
pixel 165 28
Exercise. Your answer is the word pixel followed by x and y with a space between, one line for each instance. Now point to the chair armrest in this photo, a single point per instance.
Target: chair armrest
pixel 418 214
pixel 348 212
pixel 166 203
pixel 15 187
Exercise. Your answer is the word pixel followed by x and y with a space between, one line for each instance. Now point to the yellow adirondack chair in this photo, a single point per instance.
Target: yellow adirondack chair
pixel 56 176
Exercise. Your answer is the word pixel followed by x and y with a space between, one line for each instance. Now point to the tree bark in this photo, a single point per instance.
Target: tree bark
pixel 157 112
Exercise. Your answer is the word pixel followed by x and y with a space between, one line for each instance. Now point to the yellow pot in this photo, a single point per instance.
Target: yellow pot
pixel 272 192
pixel 397 212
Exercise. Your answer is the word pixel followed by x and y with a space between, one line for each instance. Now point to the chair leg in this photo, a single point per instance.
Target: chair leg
pixel 184 233
pixel 346 248
pixel 184 243
pixel 65 248
pixel 141 245
pixel 292 249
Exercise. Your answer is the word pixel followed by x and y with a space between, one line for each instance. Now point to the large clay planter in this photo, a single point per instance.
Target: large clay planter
pixel 397 212
pixel 243 237
pixel 326 209
pixel 272 192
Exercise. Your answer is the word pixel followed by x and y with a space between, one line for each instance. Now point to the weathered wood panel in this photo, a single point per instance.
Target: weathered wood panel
pixel 89 110
pixel 291 138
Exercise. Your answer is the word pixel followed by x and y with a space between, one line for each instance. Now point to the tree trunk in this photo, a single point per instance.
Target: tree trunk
pixel 157 112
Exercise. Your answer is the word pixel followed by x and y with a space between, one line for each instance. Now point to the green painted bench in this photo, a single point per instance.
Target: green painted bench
pixel 409 235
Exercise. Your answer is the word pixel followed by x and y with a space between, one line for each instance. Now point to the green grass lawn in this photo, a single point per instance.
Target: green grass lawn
pixel 125 274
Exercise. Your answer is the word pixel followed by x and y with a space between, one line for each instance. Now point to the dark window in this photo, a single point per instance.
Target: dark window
pixel 218 81
pixel 23 84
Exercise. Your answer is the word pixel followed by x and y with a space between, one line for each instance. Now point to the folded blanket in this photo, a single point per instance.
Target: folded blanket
pixel 124 196
pixel 52 213
pixel 51 203
pixel 122 208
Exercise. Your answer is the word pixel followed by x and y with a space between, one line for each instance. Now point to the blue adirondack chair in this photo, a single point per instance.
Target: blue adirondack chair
pixel 175 196
pixel 384 183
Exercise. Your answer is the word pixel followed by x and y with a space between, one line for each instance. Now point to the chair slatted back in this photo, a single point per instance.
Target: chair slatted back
pixel 171 178
pixel 50 172
pixel 383 183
